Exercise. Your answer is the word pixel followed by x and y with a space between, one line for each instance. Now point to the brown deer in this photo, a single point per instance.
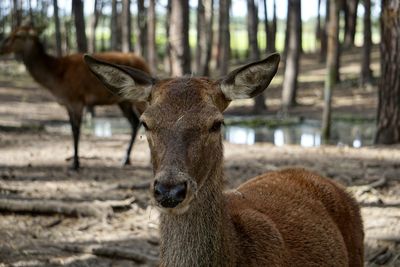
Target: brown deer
pixel 291 217
pixel 69 80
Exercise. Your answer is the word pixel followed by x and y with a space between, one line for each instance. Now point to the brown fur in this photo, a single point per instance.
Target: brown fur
pixel 291 217
pixel 287 218
pixel 69 79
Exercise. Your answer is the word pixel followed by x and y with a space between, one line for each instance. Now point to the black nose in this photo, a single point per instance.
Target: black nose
pixel 169 196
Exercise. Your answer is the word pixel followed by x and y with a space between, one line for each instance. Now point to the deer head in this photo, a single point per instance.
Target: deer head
pixel 20 41
pixel 183 122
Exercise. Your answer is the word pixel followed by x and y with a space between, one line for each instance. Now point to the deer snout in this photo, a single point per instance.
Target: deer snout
pixel 169 195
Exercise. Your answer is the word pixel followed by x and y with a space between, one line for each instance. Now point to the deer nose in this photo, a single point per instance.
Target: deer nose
pixel 169 196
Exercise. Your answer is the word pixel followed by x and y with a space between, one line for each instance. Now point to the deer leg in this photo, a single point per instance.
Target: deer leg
pixel 75 119
pixel 133 119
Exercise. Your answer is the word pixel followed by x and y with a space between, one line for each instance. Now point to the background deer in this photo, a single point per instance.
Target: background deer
pixel 286 218
pixel 70 81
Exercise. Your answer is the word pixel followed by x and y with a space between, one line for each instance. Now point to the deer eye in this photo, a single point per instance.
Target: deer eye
pixel 145 126
pixel 216 127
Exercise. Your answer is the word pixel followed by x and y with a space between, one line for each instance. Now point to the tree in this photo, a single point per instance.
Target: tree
pixel 350 13
pixel 293 55
pixel 299 26
pixel 141 44
pixel 252 30
pixel 168 58
pixel 115 40
pixel 224 38
pixel 318 28
pixel 179 37
pixel 388 122
pixel 270 29
pixel 366 73
pixel 205 18
pixel 331 67
pixel 126 29
pixel 79 19
pixel 98 6
pixel 324 35
pixel 58 30
pixel 151 22
pixel 16 17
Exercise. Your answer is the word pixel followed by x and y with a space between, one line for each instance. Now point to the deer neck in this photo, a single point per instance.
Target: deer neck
pixel 201 236
pixel 41 66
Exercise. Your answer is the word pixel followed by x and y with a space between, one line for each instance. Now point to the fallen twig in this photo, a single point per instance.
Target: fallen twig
pixel 111 252
pixel 78 209
pixel 361 189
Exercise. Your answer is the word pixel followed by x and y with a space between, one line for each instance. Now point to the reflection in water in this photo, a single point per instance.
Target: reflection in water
pixel 306 134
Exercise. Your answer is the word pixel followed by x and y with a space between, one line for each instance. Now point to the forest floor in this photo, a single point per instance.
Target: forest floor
pixel 123 227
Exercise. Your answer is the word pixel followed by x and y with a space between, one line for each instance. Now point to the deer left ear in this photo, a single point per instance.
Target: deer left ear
pixel 250 80
pixel 126 82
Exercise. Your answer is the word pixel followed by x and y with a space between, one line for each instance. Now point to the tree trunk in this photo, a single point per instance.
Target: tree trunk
pixel 126 26
pixel 318 28
pixel 324 34
pixel 58 30
pixel 274 29
pixel 114 40
pixel 252 30
pixel 16 17
pixel 168 58
pixel 331 68
pixel 270 29
pixel 366 73
pixel 388 123
pixel 152 50
pixel 293 56
pixel 67 36
pixel 142 29
pixel 350 9
pixel 79 19
pixel 205 20
pixel 179 37
pixel 98 6
pixel 224 39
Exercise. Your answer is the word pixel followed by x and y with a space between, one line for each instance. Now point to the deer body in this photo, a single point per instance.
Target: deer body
pixel 286 218
pixel 70 81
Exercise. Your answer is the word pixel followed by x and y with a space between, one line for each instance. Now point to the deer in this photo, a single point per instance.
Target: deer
pixel 69 80
pixel 289 217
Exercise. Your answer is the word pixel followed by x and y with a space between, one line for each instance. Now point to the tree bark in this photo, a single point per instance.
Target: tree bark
pixel 324 35
pixel 79 19
pixel 114 40
pixel 152 50
pixel 98 6
pixel 179 37
pixel 16 17
pixel 350 9
pixel 274 29
pixel 270 29
pixel 388 123
pixel 142 29
pixel 252 30
pixel 293 56
pixel 126 35
pixel 58 29
pixel 224 39
pixel 366 73
pixel 331 68
pixel 205 20
pixel 318 28
pixel 168 59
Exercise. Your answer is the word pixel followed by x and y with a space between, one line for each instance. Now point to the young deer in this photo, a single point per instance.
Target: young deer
pixel 70 81
pixel 291 217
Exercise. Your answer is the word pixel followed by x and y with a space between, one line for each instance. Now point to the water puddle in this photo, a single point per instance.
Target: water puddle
pixel 306 133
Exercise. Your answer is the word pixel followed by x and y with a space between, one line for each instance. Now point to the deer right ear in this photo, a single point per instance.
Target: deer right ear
pixel 250 80
pixel 126 82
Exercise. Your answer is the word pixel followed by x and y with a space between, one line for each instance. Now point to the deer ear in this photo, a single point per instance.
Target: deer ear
pixel 126 82
pixel 250 80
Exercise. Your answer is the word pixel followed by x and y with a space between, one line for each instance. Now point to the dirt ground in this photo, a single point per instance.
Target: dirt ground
pixel 123 230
